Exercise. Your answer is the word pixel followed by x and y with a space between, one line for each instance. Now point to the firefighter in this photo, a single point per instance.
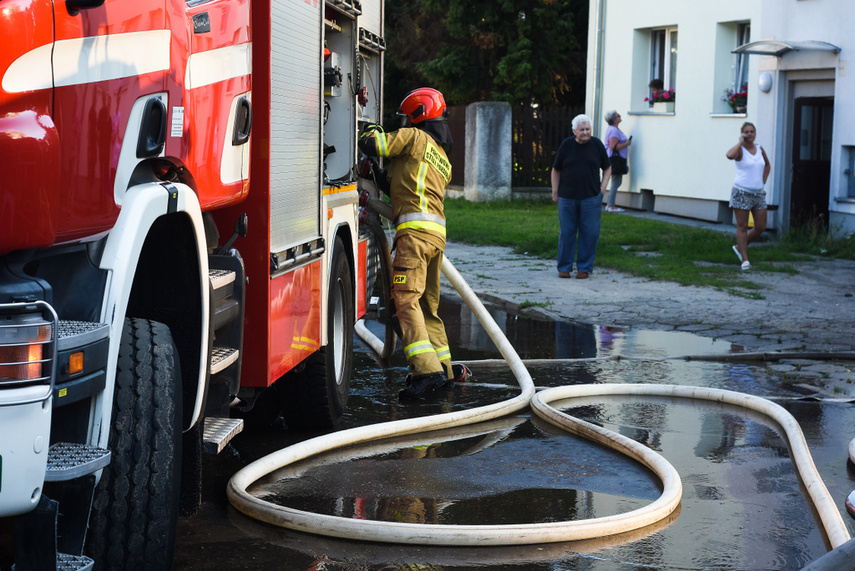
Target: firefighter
pixel 417 174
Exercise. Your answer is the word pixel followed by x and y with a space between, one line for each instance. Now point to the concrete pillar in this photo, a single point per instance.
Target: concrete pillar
pixel 489 131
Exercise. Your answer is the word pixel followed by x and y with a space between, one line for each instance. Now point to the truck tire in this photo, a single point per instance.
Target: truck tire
pixel 135 510
pixel 315 398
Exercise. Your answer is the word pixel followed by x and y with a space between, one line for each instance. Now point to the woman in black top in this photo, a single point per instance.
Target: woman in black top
pixel 578 189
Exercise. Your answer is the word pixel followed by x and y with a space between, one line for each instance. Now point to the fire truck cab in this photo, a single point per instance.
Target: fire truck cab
pixel 180 249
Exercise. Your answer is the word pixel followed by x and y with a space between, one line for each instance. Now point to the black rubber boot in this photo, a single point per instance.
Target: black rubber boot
pixel 461 372
pixel 417 385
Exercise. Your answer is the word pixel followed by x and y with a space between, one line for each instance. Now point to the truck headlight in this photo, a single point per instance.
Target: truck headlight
pixel 27 348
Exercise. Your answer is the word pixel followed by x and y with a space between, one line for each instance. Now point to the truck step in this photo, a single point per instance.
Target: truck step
pixel 69 460
pixel 80 333
pixel 221 279
pixel 66 562
pixel 222 357
pixel 219 432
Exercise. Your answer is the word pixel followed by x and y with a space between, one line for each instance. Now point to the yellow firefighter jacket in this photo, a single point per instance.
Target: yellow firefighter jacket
pixel 418 174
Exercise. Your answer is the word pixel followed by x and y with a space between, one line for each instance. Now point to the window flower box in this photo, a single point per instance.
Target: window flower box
pixel 662 101
pixel 737 99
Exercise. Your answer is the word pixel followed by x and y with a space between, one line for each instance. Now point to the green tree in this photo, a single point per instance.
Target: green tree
pixel 411 39
pixel 520 51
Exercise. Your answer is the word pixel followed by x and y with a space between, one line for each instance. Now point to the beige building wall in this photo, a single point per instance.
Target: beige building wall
pixel 677 161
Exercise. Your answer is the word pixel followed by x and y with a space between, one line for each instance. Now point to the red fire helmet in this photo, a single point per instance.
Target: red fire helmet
pixel 423 104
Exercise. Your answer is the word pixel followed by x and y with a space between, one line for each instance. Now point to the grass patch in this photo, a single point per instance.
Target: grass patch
pixel 542 304
pixel 651 249
pixel 815 240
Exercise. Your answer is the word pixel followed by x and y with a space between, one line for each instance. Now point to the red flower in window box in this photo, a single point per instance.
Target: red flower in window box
pixel 664 96
pixel 736 98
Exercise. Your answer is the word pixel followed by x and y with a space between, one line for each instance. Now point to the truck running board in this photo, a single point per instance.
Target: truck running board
pixel 69 460
pixel 219 432
pixel 222 357
pixel 73 562
pixel 227 278
pixel 66 562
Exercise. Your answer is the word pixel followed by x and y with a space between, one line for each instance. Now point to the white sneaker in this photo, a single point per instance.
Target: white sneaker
pixel 746 265
pixel 614 209
pixel 736 251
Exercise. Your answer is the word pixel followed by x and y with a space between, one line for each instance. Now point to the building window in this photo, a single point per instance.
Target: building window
pixel 663 57
pixel 654 63
pixel 730 70
pixel 740 66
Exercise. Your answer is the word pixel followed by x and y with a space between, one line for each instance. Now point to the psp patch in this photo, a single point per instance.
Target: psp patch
pixel 400 280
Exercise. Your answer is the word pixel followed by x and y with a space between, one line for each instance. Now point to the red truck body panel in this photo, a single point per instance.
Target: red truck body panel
pixel 28 137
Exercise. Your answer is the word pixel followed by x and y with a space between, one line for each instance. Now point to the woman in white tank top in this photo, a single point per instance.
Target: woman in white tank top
pixel 747 194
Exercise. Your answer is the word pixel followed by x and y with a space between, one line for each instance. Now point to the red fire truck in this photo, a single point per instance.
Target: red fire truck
pixel 179 243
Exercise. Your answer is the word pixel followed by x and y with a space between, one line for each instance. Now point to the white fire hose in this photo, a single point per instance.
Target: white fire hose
pixel 520 534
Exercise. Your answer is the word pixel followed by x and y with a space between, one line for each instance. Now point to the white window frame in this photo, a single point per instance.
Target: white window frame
pixel 740 64
pixel 663 56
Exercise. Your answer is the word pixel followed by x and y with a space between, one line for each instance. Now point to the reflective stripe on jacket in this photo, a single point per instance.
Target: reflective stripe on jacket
pixel 422 221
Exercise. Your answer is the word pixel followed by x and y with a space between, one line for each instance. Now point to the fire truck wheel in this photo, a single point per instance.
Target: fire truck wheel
pixel 135 510
pixel 317 396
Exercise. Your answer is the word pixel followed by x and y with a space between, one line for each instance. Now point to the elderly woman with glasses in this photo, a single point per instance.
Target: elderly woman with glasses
pixel 578 189
pixel 616 144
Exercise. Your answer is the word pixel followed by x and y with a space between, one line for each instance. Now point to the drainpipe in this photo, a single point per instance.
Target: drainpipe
pixel 599 47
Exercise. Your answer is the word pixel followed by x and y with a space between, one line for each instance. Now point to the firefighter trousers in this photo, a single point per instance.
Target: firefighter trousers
pixel 415 292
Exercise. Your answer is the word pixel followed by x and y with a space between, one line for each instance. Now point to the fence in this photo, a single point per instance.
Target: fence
pixel 537 134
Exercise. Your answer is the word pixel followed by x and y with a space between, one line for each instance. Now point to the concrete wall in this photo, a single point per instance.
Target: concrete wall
pixel 489 133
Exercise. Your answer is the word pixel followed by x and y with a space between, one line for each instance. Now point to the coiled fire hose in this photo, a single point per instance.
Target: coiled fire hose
pixel 520 534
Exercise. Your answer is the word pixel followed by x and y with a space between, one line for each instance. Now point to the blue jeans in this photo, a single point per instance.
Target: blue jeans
pixel 578 218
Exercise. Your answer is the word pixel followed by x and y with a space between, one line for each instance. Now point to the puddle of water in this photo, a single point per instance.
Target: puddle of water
pixel 527 472
pixel 541 339
pixel 742 505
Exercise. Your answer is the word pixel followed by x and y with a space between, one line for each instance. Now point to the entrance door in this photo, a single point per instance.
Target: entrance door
pixel 811 160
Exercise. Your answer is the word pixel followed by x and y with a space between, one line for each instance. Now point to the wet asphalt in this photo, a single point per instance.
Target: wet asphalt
pixel 742 508
pixel 742 505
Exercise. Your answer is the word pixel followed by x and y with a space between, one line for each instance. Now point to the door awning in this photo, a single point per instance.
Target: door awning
pixel 779 48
